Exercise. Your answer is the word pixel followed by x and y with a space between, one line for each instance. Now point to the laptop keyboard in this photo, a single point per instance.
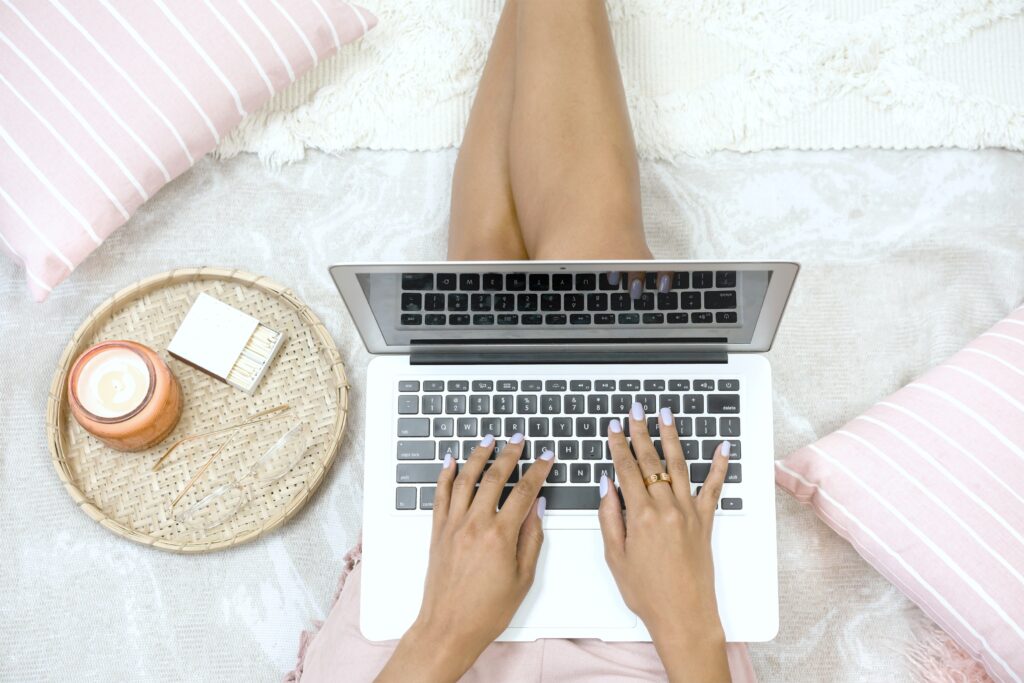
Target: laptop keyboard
pixel 504 299
pixel 567 416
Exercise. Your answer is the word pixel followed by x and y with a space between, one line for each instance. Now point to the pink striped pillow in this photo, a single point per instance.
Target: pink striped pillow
pixel 104 102
pixel 928 485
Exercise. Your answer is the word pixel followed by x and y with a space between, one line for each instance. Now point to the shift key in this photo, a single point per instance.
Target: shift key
pixel 418 474
pixel 413 426
pixel 415 450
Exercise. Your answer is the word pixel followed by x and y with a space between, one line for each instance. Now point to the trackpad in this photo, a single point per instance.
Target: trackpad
pixel 573 587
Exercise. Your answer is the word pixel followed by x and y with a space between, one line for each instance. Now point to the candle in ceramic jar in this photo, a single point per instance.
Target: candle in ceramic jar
pixel 122 393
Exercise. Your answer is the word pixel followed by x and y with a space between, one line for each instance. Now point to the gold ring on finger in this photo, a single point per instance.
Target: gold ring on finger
pixel 655 478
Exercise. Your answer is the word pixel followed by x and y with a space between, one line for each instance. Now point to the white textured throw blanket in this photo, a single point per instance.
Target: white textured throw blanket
pixel 726 75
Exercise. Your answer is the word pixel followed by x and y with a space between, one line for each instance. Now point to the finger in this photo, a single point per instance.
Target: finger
pixel 711 490
pixel 664 282
pixel 614 277
pixel 626 469
pixel 636 284
pixel 443 494
pixel 613 528
pixel 521 498
pixel 675 463
pixel 646 454
pixel 531 538
pixel 465 482
pixel 496 476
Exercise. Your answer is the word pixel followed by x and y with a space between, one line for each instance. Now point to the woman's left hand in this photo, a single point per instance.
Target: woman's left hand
pixel 482 563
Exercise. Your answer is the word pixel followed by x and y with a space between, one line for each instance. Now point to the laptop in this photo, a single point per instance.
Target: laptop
pixel 555 350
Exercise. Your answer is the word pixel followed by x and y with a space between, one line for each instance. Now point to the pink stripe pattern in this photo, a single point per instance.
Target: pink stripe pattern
pixel 105 101
pixel 928 486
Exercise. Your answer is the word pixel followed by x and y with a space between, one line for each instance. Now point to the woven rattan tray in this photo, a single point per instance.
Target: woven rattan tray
pixel 124 494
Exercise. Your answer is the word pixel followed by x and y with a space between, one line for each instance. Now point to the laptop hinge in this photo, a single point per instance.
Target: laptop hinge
pixel 563 357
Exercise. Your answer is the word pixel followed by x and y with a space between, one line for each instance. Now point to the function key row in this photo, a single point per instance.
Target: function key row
pixel 559 282
pixel 506 385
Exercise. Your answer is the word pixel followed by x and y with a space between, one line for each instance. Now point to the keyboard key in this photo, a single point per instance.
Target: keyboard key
pixel 604 385
pixel 690 450
pixel 492 282
pixel 447 281
pixel 503 404
pixel 605 468
pixel 458 302
pixel 720 300
pixel 703 317
pixel 703 279
pixel 561 282
pixel 580 385
pixel 415 450
pixel 621 301
pixel 555 385
pixel 693 404
pixel 586 426
pixel 408 405
pixel 670 401
pixel 483 319
pixel 706 426
pixel 550 302
pixel 708 449
pixel 532 319
pixel 427 497
pixel 539 282
pixel 555 319
pixel 605 284
pixel 724 403
pixel 447 448
pixel 480 302
pixel 703 385
pixel 579 473
pixel 571 497
pixel 468 447
pixel 466 426
pixel 678 318
pixel 458 319
pixel 458 385
pixel 508 319
pixel 725 279
pixel 586 282
pixel 526 404
pixel 417 281
pixel 412 319
pixel 648 401
pixel 573 302
pixel 597 404
pixel 479 404
pixel 469 282
pixel 654 385
pixel 689 301
pixel 532 385
pixel 726 317
pixel 412 302
pixel 538 426
pixel 629 385
pixel 592 449
pixel 433 404
pixel 568 450
pixel 561 426
pixel 490 425
pixel 679 385
pixel 515 282
pixel 653 318
pixel 651 280
pixel 508 385
pixel 684 426
pixel 558 473
pixel 433 385
pixel 407 473
pixel 621 403
pixel 668 301
pixel 504 302
pixel 629 318
pixel 579 319
pixel 699 473
pixel 652 426
pixel 574 404
pixel 515 425
pixel 455 404
pixel 645 302
pixel 729 426
pixel 539 446
pixel 409 385
pixel 732 503
pixel 413 426
pixel 435 319
pixel 526 302
pixel 728 385
pixel 597 302
pixel 433 301
pixel 681 280
pixel 444 427
pixel 550 404
pixel 405 498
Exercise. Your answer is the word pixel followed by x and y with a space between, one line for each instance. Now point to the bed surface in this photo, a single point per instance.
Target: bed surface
pixel 906 256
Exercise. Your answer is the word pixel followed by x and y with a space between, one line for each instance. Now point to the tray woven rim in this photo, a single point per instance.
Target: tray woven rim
pixel 57 401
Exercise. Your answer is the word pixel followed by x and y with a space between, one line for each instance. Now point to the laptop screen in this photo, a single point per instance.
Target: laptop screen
pixel 431 305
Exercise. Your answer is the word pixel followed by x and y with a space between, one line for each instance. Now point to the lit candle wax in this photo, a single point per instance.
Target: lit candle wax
pixel 123 393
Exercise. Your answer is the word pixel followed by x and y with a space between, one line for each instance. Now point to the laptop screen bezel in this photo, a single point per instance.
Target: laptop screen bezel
pixel 780 284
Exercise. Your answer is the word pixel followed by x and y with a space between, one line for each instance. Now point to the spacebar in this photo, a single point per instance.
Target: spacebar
pixel 571 497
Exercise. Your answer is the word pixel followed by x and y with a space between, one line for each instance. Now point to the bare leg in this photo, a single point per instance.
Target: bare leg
pixel 572 155
pixel 483 222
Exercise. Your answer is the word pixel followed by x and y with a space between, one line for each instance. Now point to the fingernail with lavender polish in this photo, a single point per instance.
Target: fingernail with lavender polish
pixel 542 505
pixel 666 416
pixel 726 448
pixel 615 426
pixel 516 438
pixel 637 411
pixel 613 278
pixel 603 487
pixel 547 454
pixel 447 460
pixel 487 441
pixel 636 288
pixel 664 283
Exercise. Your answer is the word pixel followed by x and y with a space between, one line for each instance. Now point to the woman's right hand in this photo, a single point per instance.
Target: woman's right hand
pixel 660 555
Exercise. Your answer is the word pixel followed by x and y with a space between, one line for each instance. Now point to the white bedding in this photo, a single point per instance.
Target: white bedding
pixel 906 255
